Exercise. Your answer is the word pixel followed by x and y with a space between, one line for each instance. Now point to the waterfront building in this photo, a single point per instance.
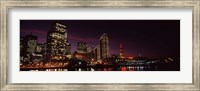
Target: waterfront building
pixel 96 52
pixel 68 50
pixel 121 51
pixel 82 47
pixel 104 46
pixel 28 45
pixel 57 44
pixel 87 57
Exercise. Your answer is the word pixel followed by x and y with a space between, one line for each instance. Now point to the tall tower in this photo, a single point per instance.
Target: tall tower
pixel 96 51
pixel 57 44
pixel 121 51
pixel 104 46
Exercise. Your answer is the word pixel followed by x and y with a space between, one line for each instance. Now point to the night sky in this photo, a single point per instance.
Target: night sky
pixel 149 38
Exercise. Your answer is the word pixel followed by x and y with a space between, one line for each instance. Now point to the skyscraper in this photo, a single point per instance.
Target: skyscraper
pixel 104 46
pixel 57 45
pixel 96 52
pixel 68 50
pixel 28 45
pixel 121 51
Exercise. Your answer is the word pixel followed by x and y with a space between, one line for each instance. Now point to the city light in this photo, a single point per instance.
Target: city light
pixel 56 53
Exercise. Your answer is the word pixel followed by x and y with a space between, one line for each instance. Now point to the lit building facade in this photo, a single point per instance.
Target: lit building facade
pixel 44 50
pixel 83 52
pixel 32 43
pixel 39 48
pixel 121 51
pixel 82 47
pixel 22 51
pixel 87 57
pixel 68 50
pixel 28 46
pixel 104 46
pixel 96 52
pixel 57 45
pixel 38 54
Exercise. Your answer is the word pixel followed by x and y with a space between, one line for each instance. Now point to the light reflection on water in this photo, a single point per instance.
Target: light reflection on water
pixel 121 68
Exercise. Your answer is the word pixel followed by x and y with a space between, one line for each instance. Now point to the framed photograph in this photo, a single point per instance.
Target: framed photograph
pixel 99 45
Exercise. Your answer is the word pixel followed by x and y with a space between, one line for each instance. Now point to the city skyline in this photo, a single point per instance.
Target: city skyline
pixel 149 38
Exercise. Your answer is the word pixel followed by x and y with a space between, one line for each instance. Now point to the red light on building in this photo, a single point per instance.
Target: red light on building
pixel 123 69
pixel 121 51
